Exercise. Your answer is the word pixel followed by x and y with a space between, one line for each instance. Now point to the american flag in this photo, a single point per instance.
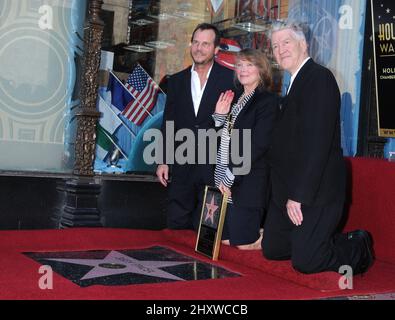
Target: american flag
pixel 145 91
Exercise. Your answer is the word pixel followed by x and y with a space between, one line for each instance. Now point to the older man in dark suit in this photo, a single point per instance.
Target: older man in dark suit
pixel 307 168
pixel 191 99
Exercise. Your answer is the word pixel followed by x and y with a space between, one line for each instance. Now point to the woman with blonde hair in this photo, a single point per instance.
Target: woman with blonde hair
pixel 250 110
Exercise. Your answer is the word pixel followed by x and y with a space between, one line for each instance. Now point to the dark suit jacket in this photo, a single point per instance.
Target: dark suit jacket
pixel 179 108
pixel 306 156
pixel 252 189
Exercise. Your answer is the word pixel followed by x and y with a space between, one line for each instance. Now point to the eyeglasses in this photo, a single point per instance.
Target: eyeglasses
pixel 230 123
pixel 240 66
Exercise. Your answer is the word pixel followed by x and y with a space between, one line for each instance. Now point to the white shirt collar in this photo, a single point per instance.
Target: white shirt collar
pixel 296 73
pixel 196 90
pixel 208 73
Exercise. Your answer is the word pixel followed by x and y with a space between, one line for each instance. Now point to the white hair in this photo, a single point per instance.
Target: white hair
pixel 297 29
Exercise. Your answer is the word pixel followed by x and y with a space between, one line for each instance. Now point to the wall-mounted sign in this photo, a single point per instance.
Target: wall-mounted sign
pixel 383 19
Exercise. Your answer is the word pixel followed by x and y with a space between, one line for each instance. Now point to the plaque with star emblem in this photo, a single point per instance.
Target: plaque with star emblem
pixel 211 223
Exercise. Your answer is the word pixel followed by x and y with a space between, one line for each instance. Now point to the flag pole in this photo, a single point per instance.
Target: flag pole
pixel 116 146
pixel 144 108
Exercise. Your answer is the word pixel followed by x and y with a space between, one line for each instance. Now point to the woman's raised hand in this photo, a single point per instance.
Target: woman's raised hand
pixel 224 101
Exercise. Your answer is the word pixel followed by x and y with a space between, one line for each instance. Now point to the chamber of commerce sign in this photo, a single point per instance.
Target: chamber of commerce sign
pixel 383 18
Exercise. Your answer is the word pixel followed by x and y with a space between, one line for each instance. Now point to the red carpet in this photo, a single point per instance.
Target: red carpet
pixel 372 203
pixel 261 279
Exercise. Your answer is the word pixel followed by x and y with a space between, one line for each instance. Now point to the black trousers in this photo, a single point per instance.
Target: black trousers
pixel 242 224
pixel 185 197
pixel 313 246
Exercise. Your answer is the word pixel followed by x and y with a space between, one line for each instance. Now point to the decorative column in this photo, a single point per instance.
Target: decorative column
pixel 82 191
pixel 86 114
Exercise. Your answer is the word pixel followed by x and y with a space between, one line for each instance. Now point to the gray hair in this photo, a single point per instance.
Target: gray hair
pixel 298 29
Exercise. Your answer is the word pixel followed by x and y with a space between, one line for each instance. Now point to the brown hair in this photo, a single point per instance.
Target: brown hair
pixel 259 59
pixel 208 26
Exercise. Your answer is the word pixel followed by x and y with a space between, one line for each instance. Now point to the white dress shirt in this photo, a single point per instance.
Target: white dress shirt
pixel 296 73
pixel 196 90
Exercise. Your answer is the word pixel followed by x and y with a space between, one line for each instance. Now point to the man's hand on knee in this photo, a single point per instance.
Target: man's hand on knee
pixel 294 210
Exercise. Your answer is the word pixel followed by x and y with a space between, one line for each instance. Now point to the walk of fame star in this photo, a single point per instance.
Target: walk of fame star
pixel 211 208
pixel 123 267
pixel 118 263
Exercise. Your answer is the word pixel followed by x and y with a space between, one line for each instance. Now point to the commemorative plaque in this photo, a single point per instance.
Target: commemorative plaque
pixel 211 223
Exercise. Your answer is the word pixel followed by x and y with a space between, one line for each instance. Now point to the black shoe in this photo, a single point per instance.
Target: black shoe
pixel 364 239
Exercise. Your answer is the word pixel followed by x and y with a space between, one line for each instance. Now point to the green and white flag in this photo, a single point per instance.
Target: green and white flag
pixel 108 123
pixel 105 142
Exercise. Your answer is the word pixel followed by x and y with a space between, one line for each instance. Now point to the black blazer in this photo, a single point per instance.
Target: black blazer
pixel 179 108
pixel 306 156
pixel 252 189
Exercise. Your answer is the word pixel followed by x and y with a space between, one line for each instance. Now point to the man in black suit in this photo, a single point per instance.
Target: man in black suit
pixel 191 99
pixel 307 168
